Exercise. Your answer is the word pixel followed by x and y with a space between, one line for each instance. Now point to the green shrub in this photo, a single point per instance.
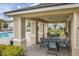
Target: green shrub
pixel 56 32
pixel 9 50
pixel 2 47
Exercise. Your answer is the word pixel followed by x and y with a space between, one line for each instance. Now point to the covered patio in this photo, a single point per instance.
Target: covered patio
pixel 41 15
pixel 34 48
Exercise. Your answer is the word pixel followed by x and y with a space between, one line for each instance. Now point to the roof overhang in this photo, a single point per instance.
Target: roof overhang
pixel 42 9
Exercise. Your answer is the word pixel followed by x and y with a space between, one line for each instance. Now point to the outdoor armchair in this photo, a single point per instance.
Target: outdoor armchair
pixel 44 42
pixel 63 45
pixel 53 48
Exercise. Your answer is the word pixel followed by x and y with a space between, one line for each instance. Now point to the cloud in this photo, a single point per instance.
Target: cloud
pixel 19 7
pixel 3 9
pixel 35 4
pixel 1 17
pixel 11 6
pixel 26 5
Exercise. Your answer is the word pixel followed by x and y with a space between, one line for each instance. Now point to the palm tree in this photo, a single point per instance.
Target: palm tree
pixel 5 25
pixel 55 25
pixel 1 23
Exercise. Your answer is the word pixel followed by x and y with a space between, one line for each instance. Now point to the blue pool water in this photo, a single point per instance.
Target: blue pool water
pixel 5 35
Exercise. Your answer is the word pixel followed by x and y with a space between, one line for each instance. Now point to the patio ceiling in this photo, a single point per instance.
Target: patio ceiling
pixel 59 18
pixel 58 14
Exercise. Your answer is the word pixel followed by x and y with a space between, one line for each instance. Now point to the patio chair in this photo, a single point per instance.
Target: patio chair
pixel 64 45
pixel 53 48
pixel 44 42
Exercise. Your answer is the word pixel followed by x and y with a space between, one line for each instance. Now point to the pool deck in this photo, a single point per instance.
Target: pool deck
pixel 5 41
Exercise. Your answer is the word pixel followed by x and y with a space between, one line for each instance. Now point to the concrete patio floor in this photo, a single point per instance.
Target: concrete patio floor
pixel 35 50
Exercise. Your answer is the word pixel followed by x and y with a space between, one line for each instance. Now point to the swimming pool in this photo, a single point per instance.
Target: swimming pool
pixel 6 35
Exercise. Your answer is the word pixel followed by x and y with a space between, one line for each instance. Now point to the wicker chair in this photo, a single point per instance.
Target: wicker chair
pixel 44 42
pixel 53 46
pixel 63 45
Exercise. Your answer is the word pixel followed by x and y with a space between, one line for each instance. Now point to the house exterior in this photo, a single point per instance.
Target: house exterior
pixel 43 14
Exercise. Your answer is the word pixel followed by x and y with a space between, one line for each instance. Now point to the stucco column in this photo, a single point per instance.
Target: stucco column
pixel 45 29
pixel 75 34
pixel 37 32
pixel 40 32
pixel 67 26
pixel 33 32
pixel 19 32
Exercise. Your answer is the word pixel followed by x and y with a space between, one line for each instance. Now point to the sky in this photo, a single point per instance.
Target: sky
pixel 12 6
